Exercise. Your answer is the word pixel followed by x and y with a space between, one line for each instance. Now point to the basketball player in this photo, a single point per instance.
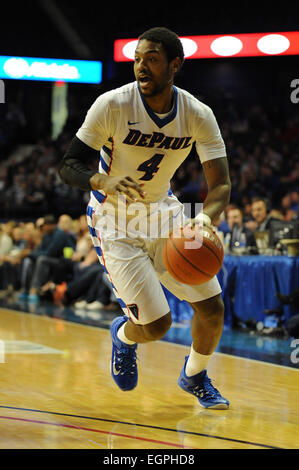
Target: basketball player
pixel 144 131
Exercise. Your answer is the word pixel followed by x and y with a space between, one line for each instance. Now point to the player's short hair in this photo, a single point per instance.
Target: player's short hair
pixel 169 40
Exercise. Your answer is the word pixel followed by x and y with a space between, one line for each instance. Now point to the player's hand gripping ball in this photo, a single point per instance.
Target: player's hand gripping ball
pixel 193 256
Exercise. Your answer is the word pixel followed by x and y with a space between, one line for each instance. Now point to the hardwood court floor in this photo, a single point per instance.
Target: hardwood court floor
pixel 56 392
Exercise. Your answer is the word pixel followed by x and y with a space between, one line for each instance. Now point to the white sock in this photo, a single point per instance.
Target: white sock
pixel 121 335
pixel 196 362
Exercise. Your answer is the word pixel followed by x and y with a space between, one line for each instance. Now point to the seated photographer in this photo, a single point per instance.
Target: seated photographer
pixel 261 215
pixel 239 238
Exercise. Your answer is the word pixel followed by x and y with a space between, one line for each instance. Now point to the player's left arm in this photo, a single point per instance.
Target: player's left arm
pixel 211 150
pixel 216 172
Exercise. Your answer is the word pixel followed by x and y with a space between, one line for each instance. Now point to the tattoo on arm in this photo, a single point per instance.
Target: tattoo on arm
pixel 210 163
pixel 216 171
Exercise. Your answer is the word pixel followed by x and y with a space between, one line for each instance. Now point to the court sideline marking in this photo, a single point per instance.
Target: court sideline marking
pixel 160 428
pixel 160 341
pixel 100 431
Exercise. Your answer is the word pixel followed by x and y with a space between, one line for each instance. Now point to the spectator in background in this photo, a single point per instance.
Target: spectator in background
pixel 221 224
pixel 84 243
pixel 18 241
pixel 239 236
pixel 83 255
pixel 7 261
pixel 261 216
pixel 290 206
pixel 25 239
pixel 89 288
pixel 65 225
pixel 6 242
pixel 15 244
pixel 294 201
pixel 37 266
pixel 39 223
pixel 277 214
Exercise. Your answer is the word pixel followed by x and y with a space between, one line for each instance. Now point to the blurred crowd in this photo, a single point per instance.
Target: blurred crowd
pixel 262 147
pixel 30 186
pixel 53 260
pixel 263 152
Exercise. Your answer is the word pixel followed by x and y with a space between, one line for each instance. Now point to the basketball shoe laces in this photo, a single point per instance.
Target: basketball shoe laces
pixel 126 360
pixel 206 389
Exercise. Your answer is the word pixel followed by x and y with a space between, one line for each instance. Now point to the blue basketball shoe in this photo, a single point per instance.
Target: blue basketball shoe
pixel 200 386
pixel 124 359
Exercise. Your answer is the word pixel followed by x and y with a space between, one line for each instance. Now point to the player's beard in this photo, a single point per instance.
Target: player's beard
pixel 154 88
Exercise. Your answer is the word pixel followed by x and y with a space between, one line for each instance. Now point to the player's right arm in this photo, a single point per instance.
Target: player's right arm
pixel 117 184
pixel 74 171
pixel 85 146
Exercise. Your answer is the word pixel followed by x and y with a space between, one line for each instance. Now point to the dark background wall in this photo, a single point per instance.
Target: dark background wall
pixel 26 29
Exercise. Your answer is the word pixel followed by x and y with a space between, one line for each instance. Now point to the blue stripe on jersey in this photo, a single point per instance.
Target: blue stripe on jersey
pixel 107 150
pixel 104 165
pixel 99 196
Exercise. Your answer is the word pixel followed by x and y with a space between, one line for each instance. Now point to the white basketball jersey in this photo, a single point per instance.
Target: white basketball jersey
pixel 134 141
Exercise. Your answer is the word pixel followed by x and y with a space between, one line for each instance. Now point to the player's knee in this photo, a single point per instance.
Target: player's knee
pixel 218 306
pixel 212 309
pixel 157 329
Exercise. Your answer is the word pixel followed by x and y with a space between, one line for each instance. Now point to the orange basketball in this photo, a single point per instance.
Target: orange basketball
pixel 193 259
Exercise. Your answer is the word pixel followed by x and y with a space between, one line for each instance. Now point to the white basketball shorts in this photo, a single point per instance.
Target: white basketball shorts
pixel 136 271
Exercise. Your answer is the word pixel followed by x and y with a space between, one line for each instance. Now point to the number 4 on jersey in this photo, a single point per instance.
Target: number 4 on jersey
pixel 150 166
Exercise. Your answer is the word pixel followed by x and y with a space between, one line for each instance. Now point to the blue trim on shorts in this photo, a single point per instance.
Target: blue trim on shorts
pixel 89 211
pixel 92 231
pixel 98 250
pixel 121 303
